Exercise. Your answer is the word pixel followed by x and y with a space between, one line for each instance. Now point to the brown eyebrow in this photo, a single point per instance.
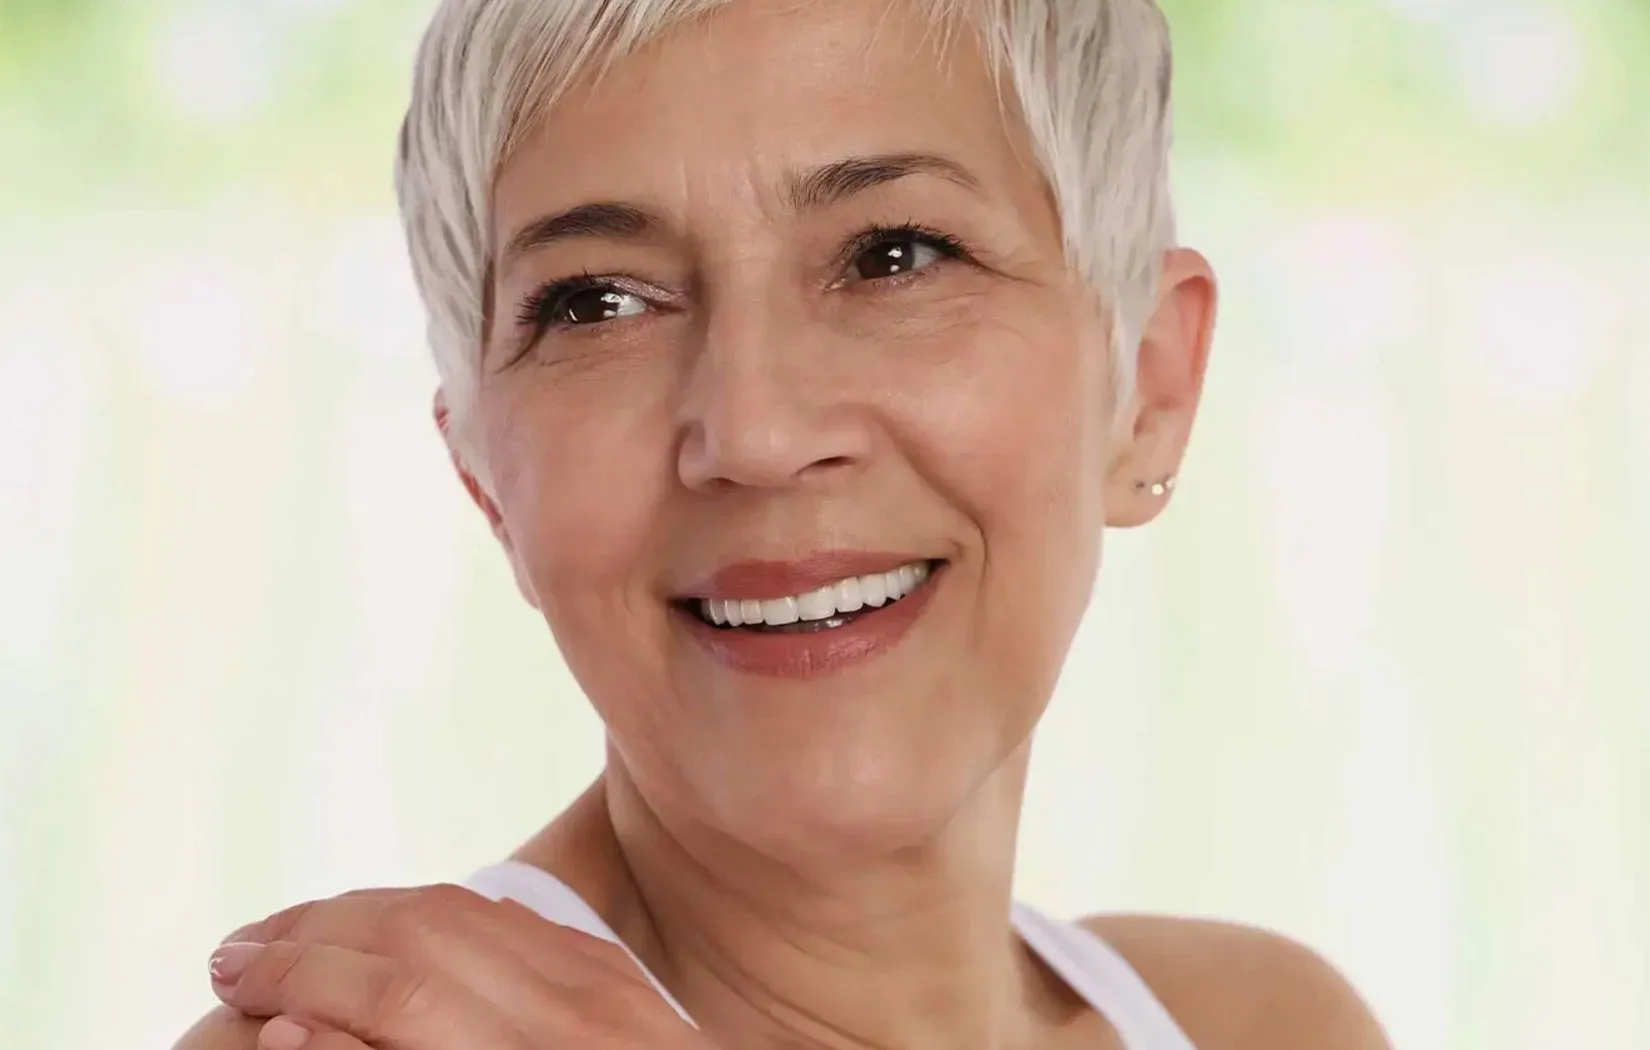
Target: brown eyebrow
pixel 831 183
pixel 602 219
pixel 809 191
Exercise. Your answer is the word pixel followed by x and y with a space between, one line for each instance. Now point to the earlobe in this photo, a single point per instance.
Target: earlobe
pixel 1173 357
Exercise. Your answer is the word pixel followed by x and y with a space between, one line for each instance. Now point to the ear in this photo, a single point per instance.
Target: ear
pixel 478 496
pixel 1156 424
pixel 443 417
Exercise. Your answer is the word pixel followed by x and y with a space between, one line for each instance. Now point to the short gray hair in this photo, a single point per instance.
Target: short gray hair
pixel 1091 80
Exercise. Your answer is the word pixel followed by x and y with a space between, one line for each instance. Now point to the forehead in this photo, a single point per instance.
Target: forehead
pixel 723 107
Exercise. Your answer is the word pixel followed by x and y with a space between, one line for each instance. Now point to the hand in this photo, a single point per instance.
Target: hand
pixel 439 968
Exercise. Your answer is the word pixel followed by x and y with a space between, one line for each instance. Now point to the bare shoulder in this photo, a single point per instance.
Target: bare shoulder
pixel 222 1029
pixel 1233 987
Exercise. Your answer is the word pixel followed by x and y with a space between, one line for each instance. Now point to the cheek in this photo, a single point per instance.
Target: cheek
pixel 578 537
pixel 1016 437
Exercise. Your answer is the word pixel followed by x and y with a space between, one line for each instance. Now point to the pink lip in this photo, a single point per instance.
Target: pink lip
pixel 781 579
pixel 817 653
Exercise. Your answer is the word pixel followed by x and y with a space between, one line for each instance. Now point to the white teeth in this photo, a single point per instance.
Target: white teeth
pixel 849 596
pixel 896 587
pixel 875 590
pixel 777 612
pixel 845 596
pixel 817 605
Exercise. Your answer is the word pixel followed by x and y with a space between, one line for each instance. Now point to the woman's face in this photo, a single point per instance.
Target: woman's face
pixel 817 327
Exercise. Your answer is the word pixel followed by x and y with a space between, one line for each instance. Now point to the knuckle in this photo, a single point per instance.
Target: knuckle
pixel 450 897
pixel 396 996
pixel 409 919
pixel 278 971
pixel 412 918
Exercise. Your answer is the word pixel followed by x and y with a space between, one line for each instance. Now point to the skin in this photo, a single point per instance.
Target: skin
pixel 823 862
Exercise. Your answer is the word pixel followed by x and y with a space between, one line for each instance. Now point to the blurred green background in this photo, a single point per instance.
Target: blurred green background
pixel 1379 679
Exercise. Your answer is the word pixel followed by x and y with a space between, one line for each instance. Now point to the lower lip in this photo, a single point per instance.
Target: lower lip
pixel 813 654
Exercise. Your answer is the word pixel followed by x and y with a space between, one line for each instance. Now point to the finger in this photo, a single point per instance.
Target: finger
pixel 442 924
pixel 382 1002
pixel 280 925
pixel 296 1033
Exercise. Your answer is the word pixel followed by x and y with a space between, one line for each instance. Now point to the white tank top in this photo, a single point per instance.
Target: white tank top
pixel 1088 964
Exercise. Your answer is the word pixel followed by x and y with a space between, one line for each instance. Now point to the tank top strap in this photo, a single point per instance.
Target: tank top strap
pixel 1105 980
pixel 552 898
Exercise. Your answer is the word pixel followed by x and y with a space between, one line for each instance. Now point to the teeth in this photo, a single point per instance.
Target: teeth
pixel 849 596
pixel 844 596
pixel 778 612
pixel 875 590
pixel 817 605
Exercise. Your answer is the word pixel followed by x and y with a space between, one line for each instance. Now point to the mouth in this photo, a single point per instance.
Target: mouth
pixel 828 608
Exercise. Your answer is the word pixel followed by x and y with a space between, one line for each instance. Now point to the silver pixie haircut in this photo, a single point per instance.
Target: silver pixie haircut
pixel 1090 79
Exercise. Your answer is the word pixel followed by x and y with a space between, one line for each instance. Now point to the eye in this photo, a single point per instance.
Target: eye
pixel 894 255
pixel 591 304
pixel 885 252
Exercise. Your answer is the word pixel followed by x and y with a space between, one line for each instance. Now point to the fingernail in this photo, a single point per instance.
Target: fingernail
pixel 230 961
pixel 283 1034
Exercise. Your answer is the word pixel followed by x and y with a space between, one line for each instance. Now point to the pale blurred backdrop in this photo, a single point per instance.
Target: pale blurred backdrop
pixel 1380 678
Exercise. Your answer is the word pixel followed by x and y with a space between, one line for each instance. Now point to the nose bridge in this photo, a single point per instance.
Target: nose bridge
pixel 750 413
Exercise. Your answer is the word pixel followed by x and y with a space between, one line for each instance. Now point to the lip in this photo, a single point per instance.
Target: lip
pixel 805 655
pixel 782 579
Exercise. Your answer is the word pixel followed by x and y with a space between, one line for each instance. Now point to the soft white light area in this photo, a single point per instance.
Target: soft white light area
pixel 199 325
pixel 1353 292
pixel 215 59
pixel 342 825
pixel 45 429
pixel 404 553
pixel 365 296
pixel 1321 451
pixel 153 807
pixel 1638 357
pixel 1521 63
pixel 404 558
pixel 1085 798
pixel 1534 332
pixel 1387 886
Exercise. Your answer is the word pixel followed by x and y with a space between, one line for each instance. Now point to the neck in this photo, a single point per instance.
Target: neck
pixel 910 951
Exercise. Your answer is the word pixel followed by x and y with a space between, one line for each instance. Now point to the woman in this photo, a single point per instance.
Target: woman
pixel 798 355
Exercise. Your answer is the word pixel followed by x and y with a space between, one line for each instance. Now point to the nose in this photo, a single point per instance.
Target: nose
pixel 763 410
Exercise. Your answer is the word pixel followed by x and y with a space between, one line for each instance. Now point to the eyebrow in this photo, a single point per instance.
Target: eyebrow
pixel 812 190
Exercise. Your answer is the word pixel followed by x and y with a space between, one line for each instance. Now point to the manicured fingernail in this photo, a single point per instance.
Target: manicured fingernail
pixel 283 1034
pixel 231 960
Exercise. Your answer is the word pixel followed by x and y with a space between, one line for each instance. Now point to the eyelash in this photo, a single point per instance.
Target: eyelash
pixel 534 313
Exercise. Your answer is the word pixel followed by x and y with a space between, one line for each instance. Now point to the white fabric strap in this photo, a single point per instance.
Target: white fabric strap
pixel 1104 978
pixel 550 897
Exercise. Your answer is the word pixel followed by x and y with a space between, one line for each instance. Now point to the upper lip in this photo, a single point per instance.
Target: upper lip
pixel 781 579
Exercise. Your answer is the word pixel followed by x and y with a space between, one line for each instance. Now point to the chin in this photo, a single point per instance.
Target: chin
pixel 823 808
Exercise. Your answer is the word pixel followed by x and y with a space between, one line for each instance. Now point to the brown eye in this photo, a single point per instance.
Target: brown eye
pixel 893 257
pixel 586 306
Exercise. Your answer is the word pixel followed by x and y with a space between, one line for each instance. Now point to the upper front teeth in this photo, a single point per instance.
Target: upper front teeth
pixel 844 596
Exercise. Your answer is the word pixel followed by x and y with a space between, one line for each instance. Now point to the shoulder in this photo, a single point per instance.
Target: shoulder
pixel 1233 987
pixel 222 1029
